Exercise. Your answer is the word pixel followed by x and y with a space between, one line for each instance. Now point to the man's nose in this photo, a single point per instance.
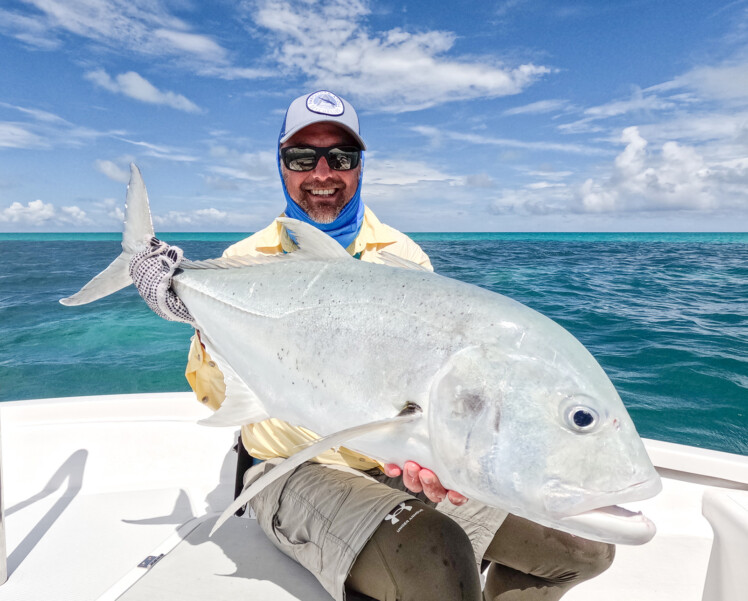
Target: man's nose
pixel 322 169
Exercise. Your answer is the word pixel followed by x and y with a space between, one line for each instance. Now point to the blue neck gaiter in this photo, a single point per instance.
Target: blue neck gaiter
pixel 346 226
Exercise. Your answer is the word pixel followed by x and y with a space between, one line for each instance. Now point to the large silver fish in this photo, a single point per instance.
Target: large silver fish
pixel 398 363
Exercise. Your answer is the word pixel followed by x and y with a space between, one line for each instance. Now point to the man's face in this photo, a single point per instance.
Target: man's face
pixel 321 193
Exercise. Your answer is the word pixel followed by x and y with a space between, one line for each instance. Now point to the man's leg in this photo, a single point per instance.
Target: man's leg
pixel 326 518
pixel 532 562
pixel 416 554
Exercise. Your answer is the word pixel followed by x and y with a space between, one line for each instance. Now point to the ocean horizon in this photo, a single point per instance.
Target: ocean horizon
pixel 665 314
pixel 706 237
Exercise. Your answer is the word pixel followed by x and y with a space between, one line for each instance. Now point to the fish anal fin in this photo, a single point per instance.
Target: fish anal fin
pixel 241 405
pixel 409 414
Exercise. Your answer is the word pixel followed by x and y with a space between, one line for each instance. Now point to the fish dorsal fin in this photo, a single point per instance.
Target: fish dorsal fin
pixel 241 405
pixel 230 262
pixel 409 414
pixel 313 243
pixel 395 261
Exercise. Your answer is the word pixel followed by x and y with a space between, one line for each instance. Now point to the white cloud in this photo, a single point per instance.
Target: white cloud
pixel 142 26
pixel 544 185
pixel 437 135
pixel 162 152
pixel 28 29
pixel 257 167
pixel 394 172
pixel 638 103
pixel 39 213
pixel 13 135
pixel 45 130
pixel 393 70
pixel 192 43
pixel 728 127
pixel 36 212
pixel 725 82
pixel 37 114
pixel 551 200
pixel 74 215
pixel 479 180
pixel 676 178
pixel 112 171
pixel 135 86
pixel 537 108
pixel 672 178
pixel 199 218
pixel 132 27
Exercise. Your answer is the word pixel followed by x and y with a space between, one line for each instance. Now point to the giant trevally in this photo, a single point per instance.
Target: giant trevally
pixel 398 363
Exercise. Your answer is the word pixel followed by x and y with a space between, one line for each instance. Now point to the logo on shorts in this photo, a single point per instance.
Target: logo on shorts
pixel 392 517
pixel 325 103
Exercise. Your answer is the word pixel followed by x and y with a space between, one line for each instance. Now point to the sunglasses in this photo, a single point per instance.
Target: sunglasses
pixel 305 158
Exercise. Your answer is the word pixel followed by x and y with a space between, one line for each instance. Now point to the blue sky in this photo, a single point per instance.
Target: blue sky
pixel 513 115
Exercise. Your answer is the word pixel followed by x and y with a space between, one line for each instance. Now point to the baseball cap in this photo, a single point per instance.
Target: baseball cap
pixel 318 107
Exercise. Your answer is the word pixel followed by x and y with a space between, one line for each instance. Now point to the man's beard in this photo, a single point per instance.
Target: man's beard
pixel 323 214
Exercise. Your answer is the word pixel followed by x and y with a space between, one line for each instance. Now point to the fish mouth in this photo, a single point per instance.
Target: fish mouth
pixel 563 500
pixel 612 524
pixel 595 518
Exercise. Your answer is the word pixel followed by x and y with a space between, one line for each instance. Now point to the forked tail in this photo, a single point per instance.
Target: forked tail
pixel 138 232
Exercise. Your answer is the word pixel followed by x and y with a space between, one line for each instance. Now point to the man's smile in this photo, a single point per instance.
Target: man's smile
pixel 322 191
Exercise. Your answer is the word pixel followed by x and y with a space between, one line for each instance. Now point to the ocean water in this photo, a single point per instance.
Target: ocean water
pixel 666 315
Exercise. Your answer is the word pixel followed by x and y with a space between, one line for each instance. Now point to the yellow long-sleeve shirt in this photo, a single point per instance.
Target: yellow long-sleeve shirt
pixel 273 437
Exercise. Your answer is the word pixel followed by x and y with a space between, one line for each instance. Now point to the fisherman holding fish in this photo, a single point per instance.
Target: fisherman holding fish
pixel 365 529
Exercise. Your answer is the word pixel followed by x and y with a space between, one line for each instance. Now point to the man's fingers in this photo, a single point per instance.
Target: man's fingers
pixel 432 488
pixel 392 470
pixel 418 479
pixel 456 498
pixel 410 477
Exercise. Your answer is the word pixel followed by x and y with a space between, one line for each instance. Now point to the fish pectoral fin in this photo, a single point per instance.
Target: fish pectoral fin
pixel 410 413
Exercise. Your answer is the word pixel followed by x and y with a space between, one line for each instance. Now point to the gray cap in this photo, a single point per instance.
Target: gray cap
pixel 320 107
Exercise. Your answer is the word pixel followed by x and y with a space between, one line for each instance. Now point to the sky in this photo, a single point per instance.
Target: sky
pixel 506 115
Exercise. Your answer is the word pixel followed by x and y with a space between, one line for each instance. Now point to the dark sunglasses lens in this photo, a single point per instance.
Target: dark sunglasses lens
pixel 305 159
pixel 299 159
pixel 343 159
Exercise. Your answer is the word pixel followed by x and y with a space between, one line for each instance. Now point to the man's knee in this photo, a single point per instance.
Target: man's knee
pixel 417 554
pixel 590 558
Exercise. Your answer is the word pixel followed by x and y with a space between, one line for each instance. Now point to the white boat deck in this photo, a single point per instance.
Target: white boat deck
pixel 95 485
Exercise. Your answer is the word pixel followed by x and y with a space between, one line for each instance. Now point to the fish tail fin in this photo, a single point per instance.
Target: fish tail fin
pixel 138 231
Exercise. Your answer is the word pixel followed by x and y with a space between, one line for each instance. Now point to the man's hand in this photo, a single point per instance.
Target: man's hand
pixel 151 271
pixel 418 479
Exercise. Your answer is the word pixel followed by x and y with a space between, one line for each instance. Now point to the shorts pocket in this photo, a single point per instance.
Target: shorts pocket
pixel 307 507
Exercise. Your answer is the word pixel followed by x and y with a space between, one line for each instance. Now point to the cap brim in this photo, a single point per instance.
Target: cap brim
pixel 290 133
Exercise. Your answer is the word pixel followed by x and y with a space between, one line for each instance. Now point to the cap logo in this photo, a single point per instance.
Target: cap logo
pixel 325 103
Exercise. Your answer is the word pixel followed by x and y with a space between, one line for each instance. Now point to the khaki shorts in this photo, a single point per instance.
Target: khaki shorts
pixel 322 516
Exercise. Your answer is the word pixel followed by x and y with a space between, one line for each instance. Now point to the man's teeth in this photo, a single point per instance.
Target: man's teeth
pixel 323 192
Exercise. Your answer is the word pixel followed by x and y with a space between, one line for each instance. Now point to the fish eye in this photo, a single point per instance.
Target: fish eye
pixel 582 419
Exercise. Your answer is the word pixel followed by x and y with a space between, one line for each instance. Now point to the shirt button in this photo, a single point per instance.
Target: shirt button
pixel 212 363
pixel 205 399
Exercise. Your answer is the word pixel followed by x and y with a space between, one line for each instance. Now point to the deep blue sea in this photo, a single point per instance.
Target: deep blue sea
pixel 666 315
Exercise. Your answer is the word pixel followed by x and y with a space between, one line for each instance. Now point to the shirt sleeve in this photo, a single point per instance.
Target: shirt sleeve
pixel 205 379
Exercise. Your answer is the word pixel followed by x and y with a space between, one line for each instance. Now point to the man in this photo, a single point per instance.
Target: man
pixel 345 517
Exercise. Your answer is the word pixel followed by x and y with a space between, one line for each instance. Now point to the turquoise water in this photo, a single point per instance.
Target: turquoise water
pixel 665 315
pixel 685 237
